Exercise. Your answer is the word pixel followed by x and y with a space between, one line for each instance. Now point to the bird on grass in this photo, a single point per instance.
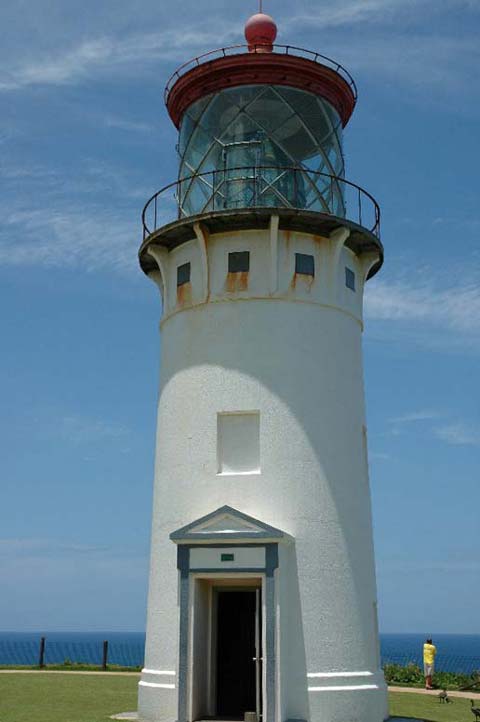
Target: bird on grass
pixel 443 697
pixel 475 710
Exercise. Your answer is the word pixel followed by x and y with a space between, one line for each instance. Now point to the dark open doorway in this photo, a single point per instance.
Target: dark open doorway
pixel 238 663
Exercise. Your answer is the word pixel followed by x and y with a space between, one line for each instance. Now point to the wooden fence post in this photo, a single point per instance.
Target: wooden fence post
pixel 41 656
pixel 105 655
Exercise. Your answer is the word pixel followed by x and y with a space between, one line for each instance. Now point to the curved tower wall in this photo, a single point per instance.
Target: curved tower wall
pixel 287 347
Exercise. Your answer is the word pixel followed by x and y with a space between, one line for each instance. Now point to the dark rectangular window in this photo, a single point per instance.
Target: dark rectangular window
pixel 239 262
pixel 350 279
pixel 183 274
pixel 304 264
pixel 228 557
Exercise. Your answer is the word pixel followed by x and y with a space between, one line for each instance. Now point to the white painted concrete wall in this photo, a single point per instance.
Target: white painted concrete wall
pixel 290 349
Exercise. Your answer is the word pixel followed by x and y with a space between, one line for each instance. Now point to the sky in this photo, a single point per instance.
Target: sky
pixel 84 141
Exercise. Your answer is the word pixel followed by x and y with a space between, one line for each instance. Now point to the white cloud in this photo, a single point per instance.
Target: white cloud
pixel 378 456
pixel 442 59
pixel 355 11
pixel 392 566
pixel 113 121
pixel 81 430
pixel 40 546
pixel 456 308
pixel 459 434
pixel 452 432
pixel 414 416
pixel 107 54
pixel 87 237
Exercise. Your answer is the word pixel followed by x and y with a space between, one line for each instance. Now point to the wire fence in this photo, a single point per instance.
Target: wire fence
pixel 16 653
pixel 443 662
pixel 131 654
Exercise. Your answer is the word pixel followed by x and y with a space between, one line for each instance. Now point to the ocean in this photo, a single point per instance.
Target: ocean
pixel 456 652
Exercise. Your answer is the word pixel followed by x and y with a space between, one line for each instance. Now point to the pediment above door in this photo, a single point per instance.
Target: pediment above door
pixel 227 523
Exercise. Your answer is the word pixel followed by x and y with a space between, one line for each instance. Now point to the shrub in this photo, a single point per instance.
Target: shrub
pixel 412 675
pixel 397 674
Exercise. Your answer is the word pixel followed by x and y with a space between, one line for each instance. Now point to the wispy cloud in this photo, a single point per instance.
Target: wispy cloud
pixel 393 566
pixel 456 433
pixel 450 307
pixel 399 53
pixel 378 456
pixel 459 434
pixel 351 12
pixel 80 430
pixel 107 54
pixel 85 237
pixel 31 560
pixel 414 416
pixel 41 546
pixel 130 126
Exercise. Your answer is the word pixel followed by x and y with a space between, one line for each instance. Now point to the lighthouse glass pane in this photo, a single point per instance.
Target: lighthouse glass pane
pixel 261 146
pixel 238 443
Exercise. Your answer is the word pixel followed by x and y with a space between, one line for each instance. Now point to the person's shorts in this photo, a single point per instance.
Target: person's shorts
pixel 428 670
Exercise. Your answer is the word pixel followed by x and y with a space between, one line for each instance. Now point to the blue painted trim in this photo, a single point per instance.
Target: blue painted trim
pixel 272 557
pixel 220 545
pixel 225 535
pixel 183 558
pixel 226 570
pixel 270 630
pixel 183 562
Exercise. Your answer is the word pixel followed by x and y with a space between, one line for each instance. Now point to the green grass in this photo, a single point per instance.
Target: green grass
pixel 41 697
pixel 426 707
pixel 72 667
pixel 82 698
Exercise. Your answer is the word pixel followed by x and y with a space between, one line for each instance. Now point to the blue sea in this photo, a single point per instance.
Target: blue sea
pixel 456 652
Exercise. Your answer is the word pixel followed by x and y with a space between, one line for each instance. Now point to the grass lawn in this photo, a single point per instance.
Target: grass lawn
pixel 41 697
pixel 424 707
pixel 80 698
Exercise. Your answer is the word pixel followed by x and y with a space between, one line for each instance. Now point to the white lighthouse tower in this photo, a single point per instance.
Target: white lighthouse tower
pixel 262 594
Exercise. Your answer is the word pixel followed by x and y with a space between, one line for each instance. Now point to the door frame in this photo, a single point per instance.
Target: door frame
pixel 187 580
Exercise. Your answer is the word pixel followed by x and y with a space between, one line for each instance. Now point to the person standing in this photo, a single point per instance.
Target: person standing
pixel 429 652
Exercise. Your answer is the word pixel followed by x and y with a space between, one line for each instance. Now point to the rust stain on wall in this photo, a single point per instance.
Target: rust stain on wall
pixel 302 280
pixel 184 294
pixel 236 282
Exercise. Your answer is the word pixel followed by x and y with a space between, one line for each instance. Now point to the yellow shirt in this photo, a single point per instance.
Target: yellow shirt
pixel 429 652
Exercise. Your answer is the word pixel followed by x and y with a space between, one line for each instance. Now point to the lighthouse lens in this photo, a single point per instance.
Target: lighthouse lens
pixel 261 146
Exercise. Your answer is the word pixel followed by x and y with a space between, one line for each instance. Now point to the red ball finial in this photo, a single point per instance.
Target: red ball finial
pixel 260 32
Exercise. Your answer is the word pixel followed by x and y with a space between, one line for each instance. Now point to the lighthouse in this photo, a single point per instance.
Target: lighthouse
pixel 262 597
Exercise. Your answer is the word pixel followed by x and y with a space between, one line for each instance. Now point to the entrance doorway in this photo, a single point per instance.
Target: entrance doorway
pixel 226 652
pixel 238 652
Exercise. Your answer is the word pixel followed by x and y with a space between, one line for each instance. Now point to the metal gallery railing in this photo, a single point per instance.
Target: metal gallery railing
pixel 279 49
pixel 261 187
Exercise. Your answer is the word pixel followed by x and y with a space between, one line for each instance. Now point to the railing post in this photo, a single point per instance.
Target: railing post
pixel 41 655
pixel 155 225
pixel 359 206
pixel 105 655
